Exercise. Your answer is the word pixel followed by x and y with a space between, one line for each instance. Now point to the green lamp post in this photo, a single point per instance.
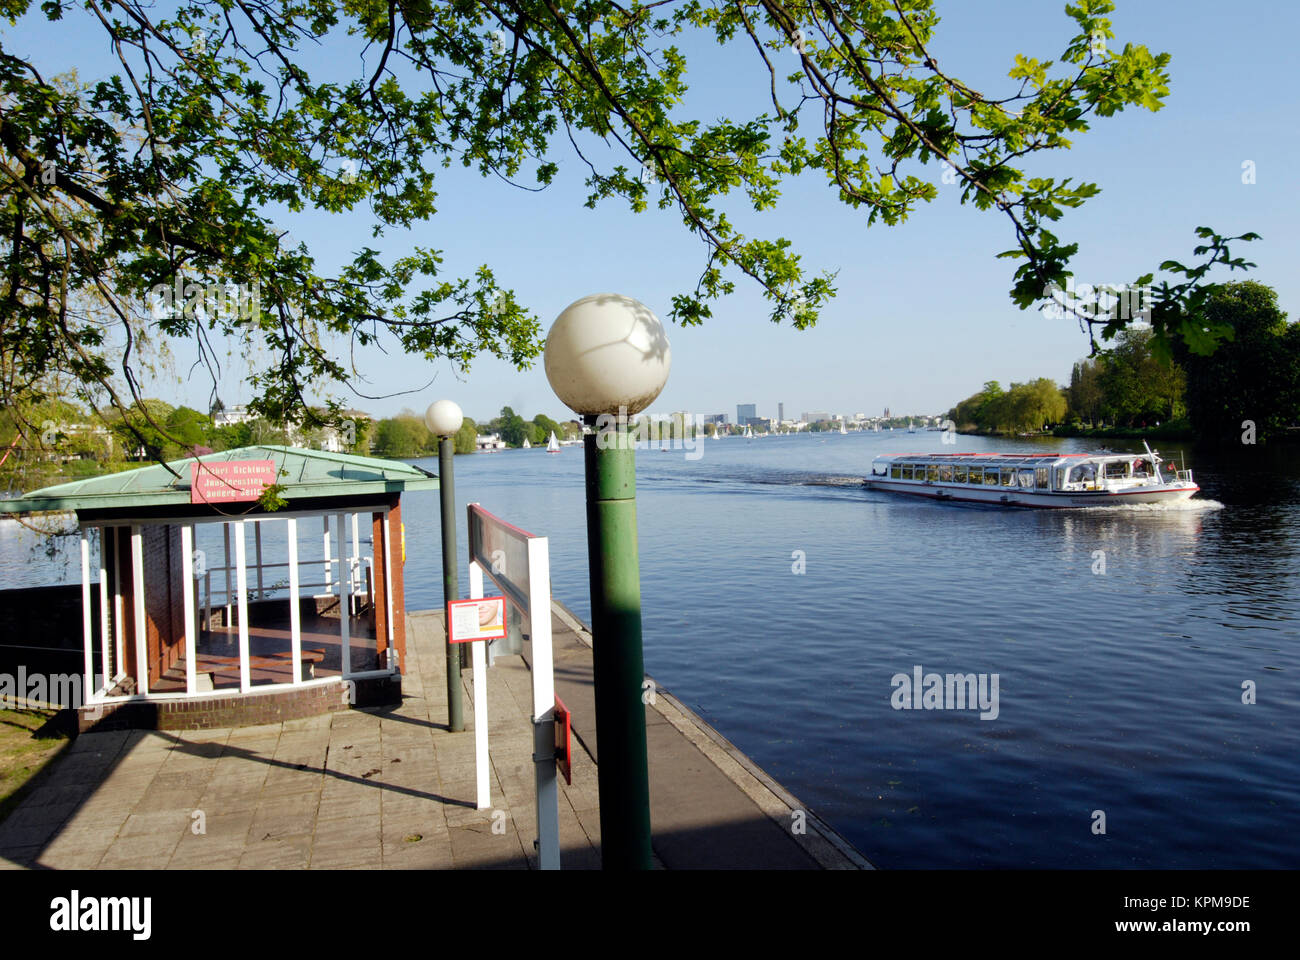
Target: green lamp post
pixel 607 358
pixel 443 418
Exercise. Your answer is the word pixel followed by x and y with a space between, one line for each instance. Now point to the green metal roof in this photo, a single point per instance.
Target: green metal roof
pixel 303 473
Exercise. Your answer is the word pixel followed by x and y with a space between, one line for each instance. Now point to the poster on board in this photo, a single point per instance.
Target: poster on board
pixel 470 620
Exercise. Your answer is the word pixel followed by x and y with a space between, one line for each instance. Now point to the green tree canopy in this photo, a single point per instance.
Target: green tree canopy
pixel 467 436
pixel 1251 377
pixel 131 203
pixel 402 437
pixel 514 431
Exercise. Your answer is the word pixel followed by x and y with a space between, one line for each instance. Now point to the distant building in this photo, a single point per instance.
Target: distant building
pixel 718 418
pixel 819 416
pixel 780 413
pixel 492 441
pixel 746 412
pixel 231 415
pixel 330 439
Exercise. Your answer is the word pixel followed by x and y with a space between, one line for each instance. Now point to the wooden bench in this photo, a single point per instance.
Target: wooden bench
pixel 309 660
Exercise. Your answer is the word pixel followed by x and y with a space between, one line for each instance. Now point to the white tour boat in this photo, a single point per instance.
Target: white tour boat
pixel 1034 479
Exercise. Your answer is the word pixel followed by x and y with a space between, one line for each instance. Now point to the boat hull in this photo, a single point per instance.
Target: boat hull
pixel 1015 497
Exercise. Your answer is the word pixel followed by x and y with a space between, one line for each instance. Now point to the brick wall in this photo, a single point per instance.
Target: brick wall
pixel 236 710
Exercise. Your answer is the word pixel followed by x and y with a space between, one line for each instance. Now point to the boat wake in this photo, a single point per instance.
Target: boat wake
pixel 1177 506
pixel 829 482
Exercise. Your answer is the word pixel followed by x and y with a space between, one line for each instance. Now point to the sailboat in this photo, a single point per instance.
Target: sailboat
pixel 910 428
pixel 527 445
pixel 552 445
pixel 843 432
pixel 749 434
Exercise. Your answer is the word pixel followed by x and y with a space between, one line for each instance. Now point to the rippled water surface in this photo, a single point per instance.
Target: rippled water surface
pixel 1118 692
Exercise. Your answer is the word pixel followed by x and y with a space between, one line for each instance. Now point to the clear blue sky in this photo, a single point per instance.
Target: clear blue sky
pixel 923 317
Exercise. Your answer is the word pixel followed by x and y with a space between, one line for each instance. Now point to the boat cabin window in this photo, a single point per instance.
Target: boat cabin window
pixel 895 471
pixel 907 471
pixel 1116 470
pixel 1009 477
pixel 1041 478
pixel 1060 474
pixel 976 475
pixel 1026 478
pixel 1083 473
pixel 945 473
pixel 1142 468
pixel 990 476
pixel 932 472
pixel 959 473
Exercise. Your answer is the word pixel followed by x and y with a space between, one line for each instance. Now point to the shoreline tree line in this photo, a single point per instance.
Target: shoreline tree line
pixel 1144 384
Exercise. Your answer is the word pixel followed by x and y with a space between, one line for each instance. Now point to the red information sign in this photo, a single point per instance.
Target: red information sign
pixel 564 740
pixel 230 481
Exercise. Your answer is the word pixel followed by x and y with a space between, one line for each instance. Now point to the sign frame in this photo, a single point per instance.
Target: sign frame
pixel 230 481
pixel 494 629
pixel 518 562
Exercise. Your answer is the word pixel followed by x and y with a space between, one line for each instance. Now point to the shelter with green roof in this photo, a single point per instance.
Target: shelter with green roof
pixel 218 605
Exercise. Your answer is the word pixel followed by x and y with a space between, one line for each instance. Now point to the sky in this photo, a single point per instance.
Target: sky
pixel 923 317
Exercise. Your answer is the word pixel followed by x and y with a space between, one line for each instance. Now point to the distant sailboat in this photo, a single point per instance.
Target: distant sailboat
pixel 552 445
pixel 527 445
pixel 843 432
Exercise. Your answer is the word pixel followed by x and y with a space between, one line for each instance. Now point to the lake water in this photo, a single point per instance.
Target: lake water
pixel 1119 692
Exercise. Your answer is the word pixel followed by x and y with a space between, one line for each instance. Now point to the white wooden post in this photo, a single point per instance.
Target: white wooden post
pixel 119 628
pixel 539 613
pixel 388 582
pixel 87 619
pixel 479 691
pixel 329 583
pixel 241 576
pixel 354 563
pixel 137 594
pixel 257 546
pixel 187 590
pixel 345 598
pixel 225 529
pixel 105 643
pixel 295 611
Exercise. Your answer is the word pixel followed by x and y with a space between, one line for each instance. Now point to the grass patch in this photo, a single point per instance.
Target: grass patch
pixel 29 740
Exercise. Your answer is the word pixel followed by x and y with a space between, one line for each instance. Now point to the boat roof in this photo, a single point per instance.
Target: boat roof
pixel 1000 459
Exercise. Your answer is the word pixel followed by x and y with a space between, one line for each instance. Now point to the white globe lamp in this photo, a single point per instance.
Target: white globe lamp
pixel 443 418
pixel 606 352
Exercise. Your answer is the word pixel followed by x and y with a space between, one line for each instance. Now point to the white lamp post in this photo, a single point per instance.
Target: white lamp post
pixel 608 355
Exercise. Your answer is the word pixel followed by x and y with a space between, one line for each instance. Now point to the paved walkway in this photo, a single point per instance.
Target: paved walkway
pixel 392 788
